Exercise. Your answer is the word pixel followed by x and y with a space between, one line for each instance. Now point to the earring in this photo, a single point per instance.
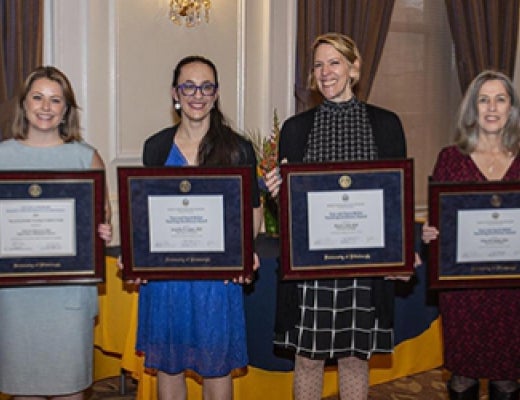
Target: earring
pixel 177 105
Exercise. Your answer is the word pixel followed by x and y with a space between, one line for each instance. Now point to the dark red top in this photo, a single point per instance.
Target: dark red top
pixel 481 328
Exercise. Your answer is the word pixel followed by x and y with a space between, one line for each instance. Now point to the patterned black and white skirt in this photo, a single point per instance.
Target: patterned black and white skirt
pixel 337 319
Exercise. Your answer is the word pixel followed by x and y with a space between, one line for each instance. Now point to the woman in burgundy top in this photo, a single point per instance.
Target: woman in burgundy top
pixel 481 326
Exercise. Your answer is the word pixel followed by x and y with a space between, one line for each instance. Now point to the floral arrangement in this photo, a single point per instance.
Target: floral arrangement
pixel 269 157
pixel 266 148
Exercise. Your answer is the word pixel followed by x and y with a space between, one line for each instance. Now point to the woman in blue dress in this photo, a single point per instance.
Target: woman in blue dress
pixel 195 325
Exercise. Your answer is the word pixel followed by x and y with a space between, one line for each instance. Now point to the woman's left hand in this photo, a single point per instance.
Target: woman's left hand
pixel 247 280
pixel 405 278
pixel 105 232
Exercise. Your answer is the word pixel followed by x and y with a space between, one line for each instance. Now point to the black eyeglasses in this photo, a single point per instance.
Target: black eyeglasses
pixel 206 89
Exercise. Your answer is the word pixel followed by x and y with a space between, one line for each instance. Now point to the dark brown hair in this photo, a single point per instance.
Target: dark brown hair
pixel 220 145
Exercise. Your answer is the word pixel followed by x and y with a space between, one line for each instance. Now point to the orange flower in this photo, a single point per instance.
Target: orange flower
pixel 269 158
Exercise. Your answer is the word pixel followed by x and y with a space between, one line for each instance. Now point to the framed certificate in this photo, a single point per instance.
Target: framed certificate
pixel 479 234
pixel 186 222
pixel 48 227
pixel 347 219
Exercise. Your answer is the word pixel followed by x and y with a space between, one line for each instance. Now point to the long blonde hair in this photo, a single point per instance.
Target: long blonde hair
pixel 69 128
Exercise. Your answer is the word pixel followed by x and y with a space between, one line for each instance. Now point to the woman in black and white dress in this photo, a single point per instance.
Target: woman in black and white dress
pixel 343 319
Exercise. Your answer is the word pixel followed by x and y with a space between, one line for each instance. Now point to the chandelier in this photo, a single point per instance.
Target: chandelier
pixel 189 12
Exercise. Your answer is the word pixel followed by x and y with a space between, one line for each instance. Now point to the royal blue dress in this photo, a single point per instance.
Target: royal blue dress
pixel 191 325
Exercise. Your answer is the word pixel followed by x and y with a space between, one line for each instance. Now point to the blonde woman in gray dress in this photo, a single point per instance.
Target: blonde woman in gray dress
pixel 46 332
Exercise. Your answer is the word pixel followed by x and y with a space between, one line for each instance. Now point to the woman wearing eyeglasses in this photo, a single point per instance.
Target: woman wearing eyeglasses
pixel 195 325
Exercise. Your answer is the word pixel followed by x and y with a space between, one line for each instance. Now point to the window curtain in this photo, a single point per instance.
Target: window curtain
pixel 21 31
pixel 365 21
pixel 485 36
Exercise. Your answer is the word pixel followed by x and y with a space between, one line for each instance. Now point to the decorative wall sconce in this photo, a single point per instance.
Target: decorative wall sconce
pixel 189 12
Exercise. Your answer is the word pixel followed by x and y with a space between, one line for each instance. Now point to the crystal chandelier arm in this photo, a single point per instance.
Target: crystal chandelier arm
pixel 189 12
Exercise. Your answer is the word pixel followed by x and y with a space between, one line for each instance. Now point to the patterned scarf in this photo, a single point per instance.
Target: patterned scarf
pixel 341 132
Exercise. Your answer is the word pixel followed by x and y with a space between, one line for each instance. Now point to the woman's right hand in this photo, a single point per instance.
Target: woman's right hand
pixel 429 233
pixel 273 180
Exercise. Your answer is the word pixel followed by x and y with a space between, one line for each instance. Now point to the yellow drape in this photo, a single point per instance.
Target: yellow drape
pixel 115 335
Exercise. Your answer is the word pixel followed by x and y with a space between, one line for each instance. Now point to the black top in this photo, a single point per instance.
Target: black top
pixel 386 127
pixel 157 148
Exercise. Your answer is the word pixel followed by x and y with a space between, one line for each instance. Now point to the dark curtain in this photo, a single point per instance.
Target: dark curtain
pixel 365 21
pixel 485 35
pixel 21 31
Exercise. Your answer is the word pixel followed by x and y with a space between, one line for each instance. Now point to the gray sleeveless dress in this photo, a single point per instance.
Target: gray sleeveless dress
pixel 46 333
